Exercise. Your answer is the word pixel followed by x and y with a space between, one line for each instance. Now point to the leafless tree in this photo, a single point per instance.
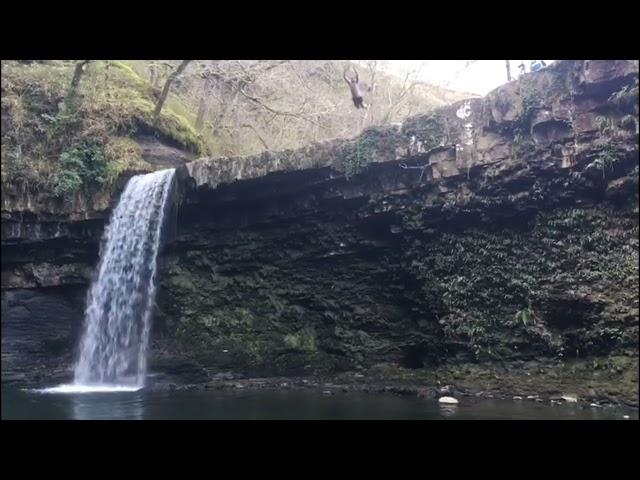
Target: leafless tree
pixel 245 106
pixel 204 104
pixel 165 90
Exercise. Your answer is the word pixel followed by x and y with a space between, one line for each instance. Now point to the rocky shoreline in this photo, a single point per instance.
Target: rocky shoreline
pixel 542 382
pixel 431 393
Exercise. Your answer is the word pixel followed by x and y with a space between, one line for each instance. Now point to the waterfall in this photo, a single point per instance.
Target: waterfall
pixel 113 350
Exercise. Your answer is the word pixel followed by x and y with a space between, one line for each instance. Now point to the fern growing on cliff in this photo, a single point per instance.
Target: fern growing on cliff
pixel 527 316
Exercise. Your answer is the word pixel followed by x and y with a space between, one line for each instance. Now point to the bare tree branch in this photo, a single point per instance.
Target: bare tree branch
pixel 253 129
pixel 273 110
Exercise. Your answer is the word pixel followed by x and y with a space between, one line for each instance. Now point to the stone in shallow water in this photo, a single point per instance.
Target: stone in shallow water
pixel 569 398
pixel 448 401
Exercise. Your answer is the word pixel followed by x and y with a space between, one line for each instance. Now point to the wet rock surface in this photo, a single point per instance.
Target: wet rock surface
pixel 40 330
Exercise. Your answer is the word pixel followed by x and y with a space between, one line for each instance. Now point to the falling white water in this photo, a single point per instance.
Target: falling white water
pixel 113 350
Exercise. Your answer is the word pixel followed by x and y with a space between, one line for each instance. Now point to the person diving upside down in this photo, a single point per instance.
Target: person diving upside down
pixel 357 88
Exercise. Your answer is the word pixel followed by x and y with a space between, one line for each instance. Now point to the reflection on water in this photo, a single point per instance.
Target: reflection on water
pixel 271 405
pixel 108 407
pixel 448 410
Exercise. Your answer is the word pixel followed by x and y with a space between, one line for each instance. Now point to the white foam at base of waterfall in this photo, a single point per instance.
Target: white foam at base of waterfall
pixel 73 388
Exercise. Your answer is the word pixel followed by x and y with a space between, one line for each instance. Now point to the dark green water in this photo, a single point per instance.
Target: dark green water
pixel 276 405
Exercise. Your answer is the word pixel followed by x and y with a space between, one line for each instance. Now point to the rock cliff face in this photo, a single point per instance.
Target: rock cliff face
pixel 50 248
pixel 501 229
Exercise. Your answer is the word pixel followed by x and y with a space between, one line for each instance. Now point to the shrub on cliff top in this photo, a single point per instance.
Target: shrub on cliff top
pixel 83 164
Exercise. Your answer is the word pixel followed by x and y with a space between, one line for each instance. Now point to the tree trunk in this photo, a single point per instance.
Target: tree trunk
pixel 152 75
pixel 508 71
pixel 205 104
pixel 200 114
pixel 165 90
pixel 75 83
